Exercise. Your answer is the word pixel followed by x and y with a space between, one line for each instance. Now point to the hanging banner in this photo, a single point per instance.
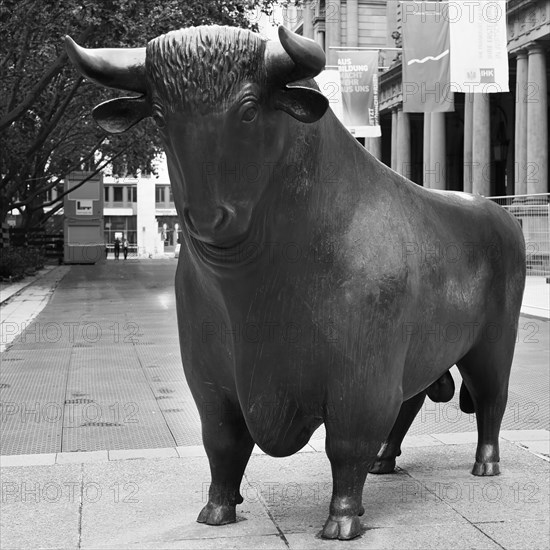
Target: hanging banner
pixel 426 54
pixel 330 86
pixel 358 72
pixel 478 38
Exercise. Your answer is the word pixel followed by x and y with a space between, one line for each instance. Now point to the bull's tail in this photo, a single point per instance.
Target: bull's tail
pixel 465 401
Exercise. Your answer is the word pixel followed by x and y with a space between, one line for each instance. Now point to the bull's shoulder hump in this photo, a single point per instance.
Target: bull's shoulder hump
pixel 457 200
pixel 457 197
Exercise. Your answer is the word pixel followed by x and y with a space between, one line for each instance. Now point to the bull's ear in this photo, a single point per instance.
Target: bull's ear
pixel 118 115
pixel 304 104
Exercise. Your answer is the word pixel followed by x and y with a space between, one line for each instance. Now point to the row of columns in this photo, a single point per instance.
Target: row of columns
pixel 433 147
pixel 476 146
pixel 476 139
pixel 531 138
pixel 531 135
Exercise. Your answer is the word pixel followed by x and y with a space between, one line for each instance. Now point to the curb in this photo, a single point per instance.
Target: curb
pixel 8 293
pixel 533 316
pixel 536 442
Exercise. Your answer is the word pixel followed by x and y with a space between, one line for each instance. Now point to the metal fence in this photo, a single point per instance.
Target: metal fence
pixel 533 213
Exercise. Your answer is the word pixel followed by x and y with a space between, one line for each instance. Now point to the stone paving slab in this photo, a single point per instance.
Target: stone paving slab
pixel 7 290
pixel 41 507
pixel 21 302
pixel 431 502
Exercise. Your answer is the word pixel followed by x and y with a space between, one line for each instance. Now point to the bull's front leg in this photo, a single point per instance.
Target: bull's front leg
pixel 228 445
pixel 354 437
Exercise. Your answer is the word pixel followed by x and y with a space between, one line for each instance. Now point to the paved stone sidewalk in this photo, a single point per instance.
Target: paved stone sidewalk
pixel 432 502
pixel 24 300
pixel 99 368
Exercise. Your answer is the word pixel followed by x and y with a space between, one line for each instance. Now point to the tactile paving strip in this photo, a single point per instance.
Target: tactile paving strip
pixel 32 400
pixel 133 370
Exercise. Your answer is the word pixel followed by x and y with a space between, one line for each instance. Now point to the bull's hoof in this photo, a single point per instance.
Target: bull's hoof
pixel 385 466
pixel 217 514
pixel 486 469
pixel 342 527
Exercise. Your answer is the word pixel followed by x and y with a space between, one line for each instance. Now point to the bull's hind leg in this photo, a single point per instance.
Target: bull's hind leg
pixel 228 445
pixel 486 372
pixel 441 391
pixel 391 448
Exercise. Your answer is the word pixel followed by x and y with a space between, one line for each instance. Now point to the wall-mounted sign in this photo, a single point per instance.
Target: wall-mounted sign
pixel 84 207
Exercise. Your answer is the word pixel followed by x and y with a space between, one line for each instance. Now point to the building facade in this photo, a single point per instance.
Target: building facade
pixel 142 210
pixel 492 144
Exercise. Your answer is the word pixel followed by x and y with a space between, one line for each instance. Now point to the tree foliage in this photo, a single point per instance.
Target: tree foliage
pixel 45 125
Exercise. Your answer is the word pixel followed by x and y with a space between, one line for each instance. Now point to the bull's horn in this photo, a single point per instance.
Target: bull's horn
pixel 120 68
pixel 294 57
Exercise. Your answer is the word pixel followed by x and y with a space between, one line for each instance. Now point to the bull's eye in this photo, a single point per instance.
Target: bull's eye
pixel 158 117
pixel 249 112
pixel 159 120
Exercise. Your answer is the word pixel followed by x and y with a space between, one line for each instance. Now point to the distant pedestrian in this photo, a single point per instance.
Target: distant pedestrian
pixel 117 248
pixel 125 247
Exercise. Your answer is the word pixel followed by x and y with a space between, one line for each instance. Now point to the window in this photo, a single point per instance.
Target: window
pixel 159 193
pixel 170 195
pixel 106 193
pixel 117 194
pixel 132 194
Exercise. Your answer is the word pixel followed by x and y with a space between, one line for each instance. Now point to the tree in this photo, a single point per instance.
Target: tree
pixel 46 129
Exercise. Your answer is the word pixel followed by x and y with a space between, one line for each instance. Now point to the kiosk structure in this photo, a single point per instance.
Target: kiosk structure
pixel 84 240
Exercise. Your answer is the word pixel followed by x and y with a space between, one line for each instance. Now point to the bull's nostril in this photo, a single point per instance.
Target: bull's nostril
pixel 216 220
pixel 222 216
pixel 187 219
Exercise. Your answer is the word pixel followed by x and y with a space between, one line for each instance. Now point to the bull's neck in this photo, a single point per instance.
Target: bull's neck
pixel 327 171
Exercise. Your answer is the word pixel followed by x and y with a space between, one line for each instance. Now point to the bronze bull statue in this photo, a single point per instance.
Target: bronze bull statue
pixel 311 275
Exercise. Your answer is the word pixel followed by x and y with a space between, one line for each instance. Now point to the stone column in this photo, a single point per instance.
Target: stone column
pixel 468 141
pixel 374 146
pixel 438 172
pixel 537 122
pixel 352 23
pixel 426 149
pixel 307 14
pixel 332 32
pixel 403 144
pixel 394 126
pixel 520 151
pixel 481 146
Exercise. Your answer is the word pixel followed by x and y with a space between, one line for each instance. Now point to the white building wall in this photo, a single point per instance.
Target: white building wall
pixel 148 239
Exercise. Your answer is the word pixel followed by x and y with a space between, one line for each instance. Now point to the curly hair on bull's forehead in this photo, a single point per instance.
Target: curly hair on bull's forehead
pixel 198 68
